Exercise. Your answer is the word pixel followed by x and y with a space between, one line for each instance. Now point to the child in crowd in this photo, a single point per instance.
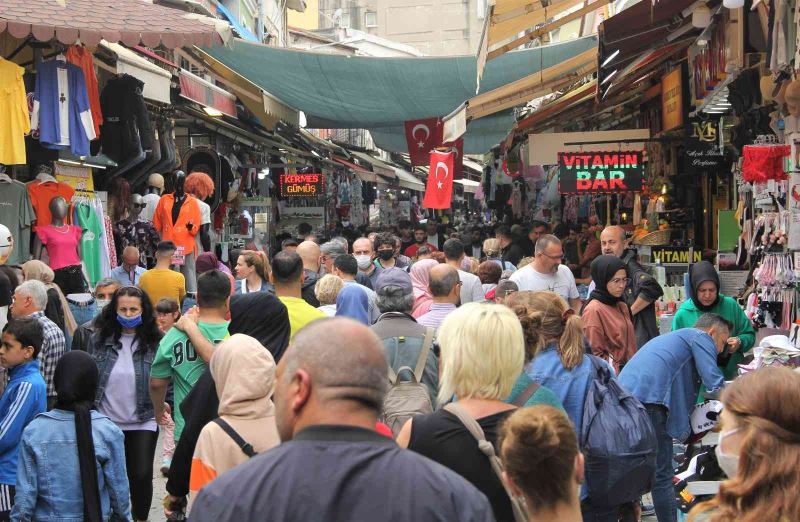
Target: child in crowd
pixel 23 399
pixel 167 314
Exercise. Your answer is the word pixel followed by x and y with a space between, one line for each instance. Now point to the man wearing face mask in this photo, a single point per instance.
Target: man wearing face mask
pixel 385 245
pixel 662 376
pixel 363 252
pixel 103 293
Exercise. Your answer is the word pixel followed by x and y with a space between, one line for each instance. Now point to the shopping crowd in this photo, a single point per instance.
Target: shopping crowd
pixel 422 373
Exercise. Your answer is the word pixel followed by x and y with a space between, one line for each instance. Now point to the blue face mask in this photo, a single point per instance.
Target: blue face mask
pixel 129 322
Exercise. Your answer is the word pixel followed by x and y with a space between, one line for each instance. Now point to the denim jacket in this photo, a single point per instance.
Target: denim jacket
pixel 48 475
pixel 105 352
pixel 668 371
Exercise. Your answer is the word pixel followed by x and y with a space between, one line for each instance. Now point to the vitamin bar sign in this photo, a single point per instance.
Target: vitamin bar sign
pixel 302 185
pixel 600 172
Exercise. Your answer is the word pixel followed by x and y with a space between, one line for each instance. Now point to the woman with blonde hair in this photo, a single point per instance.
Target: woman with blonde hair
pixel 759 450
pixel 252 272
pixel 58 309
pixel 326 290
pixel 493 251
pixel 482 354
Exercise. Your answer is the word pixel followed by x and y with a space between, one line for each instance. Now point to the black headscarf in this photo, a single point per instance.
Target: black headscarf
pixel 603 269
pixel 699 273
pixel 263 316
pixel 75 380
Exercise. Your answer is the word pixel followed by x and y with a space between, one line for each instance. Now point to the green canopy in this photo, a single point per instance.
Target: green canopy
pixel 336 91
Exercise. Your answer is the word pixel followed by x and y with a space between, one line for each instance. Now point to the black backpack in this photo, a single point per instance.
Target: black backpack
pixel 617 440
pixel 245 446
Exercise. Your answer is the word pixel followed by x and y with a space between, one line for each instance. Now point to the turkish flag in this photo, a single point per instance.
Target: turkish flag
pixel 439 190
pixel 422 136
pixel 457 147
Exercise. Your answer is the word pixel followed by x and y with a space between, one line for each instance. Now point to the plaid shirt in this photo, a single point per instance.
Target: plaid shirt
pixel 53 347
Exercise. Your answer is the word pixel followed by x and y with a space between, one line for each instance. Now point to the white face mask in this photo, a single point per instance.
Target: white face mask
pixel 363 261
pixel 101 303
pixel 728 463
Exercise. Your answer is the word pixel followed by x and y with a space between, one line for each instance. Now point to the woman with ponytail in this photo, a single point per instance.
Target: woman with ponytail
pixel 759 450
pixel 252 272
pixel 72 458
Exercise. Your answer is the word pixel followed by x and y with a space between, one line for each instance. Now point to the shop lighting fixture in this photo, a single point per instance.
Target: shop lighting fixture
pixel 701 17
pixel 733 4
pixel 263 173
pixel 83 164
pixel 608 78
pixel 664 188
pixel 610 58
pixel 214 113
pixel 607 91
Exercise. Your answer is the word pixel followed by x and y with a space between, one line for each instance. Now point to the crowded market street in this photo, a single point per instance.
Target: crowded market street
pixel 356 260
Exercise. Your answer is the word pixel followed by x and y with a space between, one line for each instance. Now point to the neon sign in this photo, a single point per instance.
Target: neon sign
pixel 302 185
pixel 600 172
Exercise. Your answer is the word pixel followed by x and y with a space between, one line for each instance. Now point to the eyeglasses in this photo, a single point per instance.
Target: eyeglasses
pixel 559 257
pixel 620 280
pixel 139 205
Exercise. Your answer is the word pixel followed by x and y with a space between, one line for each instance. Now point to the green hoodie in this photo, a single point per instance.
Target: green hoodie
pixel 728 308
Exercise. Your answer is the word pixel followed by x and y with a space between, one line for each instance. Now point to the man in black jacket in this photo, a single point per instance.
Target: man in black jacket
pixel 511 252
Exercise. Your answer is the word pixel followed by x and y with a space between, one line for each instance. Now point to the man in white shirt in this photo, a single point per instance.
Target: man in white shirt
pixel 547 273
pixel 471 288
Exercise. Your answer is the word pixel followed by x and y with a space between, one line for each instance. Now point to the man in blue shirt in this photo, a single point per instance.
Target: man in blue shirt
pixel 129 272
pixel 665 374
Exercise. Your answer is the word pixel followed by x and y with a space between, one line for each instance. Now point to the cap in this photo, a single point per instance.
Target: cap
pixel 205 262
pixel 395 277
pixel 156 180
pixel 166 246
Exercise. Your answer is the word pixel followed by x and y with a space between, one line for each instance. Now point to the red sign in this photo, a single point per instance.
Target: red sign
pixel 302 185
pixel 439 189
pixel 422 136
pixel 200 91
pixel 600 172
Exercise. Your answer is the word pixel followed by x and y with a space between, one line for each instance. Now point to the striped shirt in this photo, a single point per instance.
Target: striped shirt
pixel 436 314
pixel 53 347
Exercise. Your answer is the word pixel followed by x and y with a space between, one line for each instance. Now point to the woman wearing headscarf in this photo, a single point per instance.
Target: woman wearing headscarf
pixel 420 279
pixel 260 315
pixel 706 298
pixel 353 302
pixel 72 458
pixel 208 261
pixel 244 376
pixel 57 309
pixel 607 320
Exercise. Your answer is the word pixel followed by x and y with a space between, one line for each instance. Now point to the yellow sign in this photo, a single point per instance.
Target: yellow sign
pixel 675 255
pixel 672 100
pixel 77 177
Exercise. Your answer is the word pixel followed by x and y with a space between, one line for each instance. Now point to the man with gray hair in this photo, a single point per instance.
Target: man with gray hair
pixel 103 292
pixel 546 272
pixel 445 287
pixel 331 250
pixel 403 338
pixel 330 388
pixel 30 300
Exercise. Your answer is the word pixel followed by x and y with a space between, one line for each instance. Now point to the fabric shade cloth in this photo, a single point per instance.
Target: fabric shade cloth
pixel 131 22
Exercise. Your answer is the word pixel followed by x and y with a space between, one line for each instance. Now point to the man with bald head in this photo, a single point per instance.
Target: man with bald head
pixel 642 291
pixel 311 255
pixel 129 272
pixel 445 286
pixel 332 465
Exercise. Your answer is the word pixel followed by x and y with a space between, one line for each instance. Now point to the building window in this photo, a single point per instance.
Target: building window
pixel 371 19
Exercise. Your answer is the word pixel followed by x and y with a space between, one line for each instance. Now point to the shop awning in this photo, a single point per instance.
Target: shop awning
pixel 379 167
pixel 408 180
pixel 207 94
pixel 541 83
pixel 644 64
pixel 156 80
pixel 369 93
pixel 131 22
pixel 643 27
pixel 576 96
pixel 361 172
pixel 469 185
pixel 243 31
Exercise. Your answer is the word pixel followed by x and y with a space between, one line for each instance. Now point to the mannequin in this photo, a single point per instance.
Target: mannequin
pixel 177 219
pixel 63 248
pixel 6 248
pixel 200 185
pixel 137 231
pixel 155 186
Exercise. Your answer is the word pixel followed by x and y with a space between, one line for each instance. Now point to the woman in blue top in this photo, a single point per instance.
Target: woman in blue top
pixel 124 348
pixel 555 335
pixel 72 458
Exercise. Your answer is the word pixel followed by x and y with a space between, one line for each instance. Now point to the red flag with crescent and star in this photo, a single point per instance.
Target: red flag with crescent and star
pixel 422 136
pixel 439 189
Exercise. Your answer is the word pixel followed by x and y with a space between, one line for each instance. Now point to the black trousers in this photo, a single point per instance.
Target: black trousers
pixel 140 448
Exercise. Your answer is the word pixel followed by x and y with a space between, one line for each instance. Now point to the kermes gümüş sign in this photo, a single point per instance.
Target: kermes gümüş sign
pixel 302 185
pixel 600 172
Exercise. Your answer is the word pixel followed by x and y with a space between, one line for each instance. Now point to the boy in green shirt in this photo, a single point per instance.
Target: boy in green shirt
pixel 181 361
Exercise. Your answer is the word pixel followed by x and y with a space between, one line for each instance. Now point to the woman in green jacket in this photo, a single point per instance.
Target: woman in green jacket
pixel 706 298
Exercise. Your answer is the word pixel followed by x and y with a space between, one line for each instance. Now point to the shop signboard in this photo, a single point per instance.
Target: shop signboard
pixel 600 172
pixel 667 255
pixel 672 100
pixel 702 150
pixel 302 185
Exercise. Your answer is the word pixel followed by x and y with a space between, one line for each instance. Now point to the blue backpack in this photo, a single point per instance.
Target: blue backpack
pixel 617 440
